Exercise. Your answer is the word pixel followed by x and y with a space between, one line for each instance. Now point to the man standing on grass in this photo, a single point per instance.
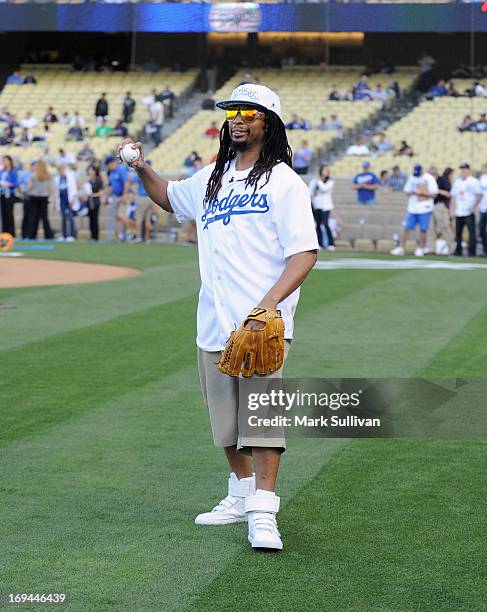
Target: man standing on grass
pixel 422 190
pixel 257 244
pixel 467 195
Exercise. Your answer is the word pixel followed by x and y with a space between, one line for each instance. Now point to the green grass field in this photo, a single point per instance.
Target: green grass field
pixel 106 454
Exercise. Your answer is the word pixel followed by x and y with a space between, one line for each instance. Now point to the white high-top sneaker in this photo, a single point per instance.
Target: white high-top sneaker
pixel 261 510
pixel 231 509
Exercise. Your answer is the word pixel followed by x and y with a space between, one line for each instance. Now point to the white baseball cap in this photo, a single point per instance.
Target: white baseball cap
pixel 259 96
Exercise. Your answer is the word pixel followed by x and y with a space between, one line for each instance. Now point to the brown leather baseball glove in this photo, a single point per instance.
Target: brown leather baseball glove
pixel 250 351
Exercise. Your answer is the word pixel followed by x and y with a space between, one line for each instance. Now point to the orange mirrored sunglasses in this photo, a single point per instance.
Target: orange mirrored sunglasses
pixel 248 114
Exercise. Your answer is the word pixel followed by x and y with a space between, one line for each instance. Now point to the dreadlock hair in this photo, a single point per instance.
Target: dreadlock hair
pixel 276 149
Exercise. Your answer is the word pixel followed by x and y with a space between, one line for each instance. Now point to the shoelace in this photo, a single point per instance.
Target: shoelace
pixel 225 504
pixel 266 522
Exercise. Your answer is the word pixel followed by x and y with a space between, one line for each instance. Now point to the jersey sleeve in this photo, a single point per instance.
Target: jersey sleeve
pixel 184 196
pixel 293 216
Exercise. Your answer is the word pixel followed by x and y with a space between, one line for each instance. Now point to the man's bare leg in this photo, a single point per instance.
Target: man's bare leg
pixel 240 464
pixel 266 462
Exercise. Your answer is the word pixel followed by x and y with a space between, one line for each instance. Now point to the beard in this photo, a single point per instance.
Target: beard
pixel 238 146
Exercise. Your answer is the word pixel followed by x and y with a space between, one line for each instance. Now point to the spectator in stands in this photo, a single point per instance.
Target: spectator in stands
pixel 15 79
pixel 321 189
pixel 128 108
pixel 438 90
pixel 440 228
pixel 305 123
pixel 65 159
pixel 374 150
pixel 404 149
pixel 103 130
pixel 119 130
pixel 157 119
pixel 359 148
pixel 86 153
pixel 196 167
pixel 302 158
pixel 362 84
pixel 101 108
pixel 362 94
pixel 65 119
pixel 39 190
pixel 189 161
pixel 349 96
pixel 24 138
pixel 334 94
pixel 481 124
pixel 94 189
pixel 384 177
pixel 7 136
pixel 366 184
pixel 452 90
pixel 483 210
pixel 322 124
pixel 382 144
pixel 466 195
pixel 467 124
pixel 421 189
pixel 334 124
pixel 119 187
pixel 167 98
pixel 379 93
pixel 212 131
pixel 29 121
pixel 77 120
pixel 8 185
pixel 294 124
pixel 66 196
pixel 30 80
pixel 75 132
pixel 50 116
pixel 426 65
pixel 479 90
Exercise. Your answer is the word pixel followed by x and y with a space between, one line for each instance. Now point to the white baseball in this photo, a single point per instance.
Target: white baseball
pixel 128 154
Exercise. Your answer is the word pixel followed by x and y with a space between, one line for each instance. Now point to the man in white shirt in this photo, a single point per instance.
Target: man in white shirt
pixel 256 245
pixel 359 148
pixel 421 188
pixel 156 111
pixel 29 122
pixel 466 194
pixel 483 209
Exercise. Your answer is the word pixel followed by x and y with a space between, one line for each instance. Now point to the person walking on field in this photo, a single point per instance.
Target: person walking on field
pixel 321 190
pixel 40 188
pixel 256 243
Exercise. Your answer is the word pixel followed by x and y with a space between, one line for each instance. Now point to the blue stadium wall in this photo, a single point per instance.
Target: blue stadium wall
pixel 173 17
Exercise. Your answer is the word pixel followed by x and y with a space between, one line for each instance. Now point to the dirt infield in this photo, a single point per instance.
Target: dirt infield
pixel 21 272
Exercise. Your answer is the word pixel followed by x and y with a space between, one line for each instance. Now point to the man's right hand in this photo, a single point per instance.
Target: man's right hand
pixel 139 163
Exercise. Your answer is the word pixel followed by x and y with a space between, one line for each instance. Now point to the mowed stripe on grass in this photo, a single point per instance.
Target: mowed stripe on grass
pixel 109 485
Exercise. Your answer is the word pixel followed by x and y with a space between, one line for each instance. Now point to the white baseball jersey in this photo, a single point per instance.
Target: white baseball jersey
pixel 244 240
pixel 419 206
pixel 464 193
pixel 483 186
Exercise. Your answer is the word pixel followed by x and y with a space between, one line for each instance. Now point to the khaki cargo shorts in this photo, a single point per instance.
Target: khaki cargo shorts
pixel 220 393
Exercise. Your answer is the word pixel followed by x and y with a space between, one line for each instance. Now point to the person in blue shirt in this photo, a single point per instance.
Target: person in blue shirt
pixel 366 184
pixel 302 158
pixel 15 79
pixel 118 180
pixel 8 185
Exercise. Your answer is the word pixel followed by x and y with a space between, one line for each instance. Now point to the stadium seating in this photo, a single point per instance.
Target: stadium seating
pixel 68 91
pixel 431 129
pixel 303 90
